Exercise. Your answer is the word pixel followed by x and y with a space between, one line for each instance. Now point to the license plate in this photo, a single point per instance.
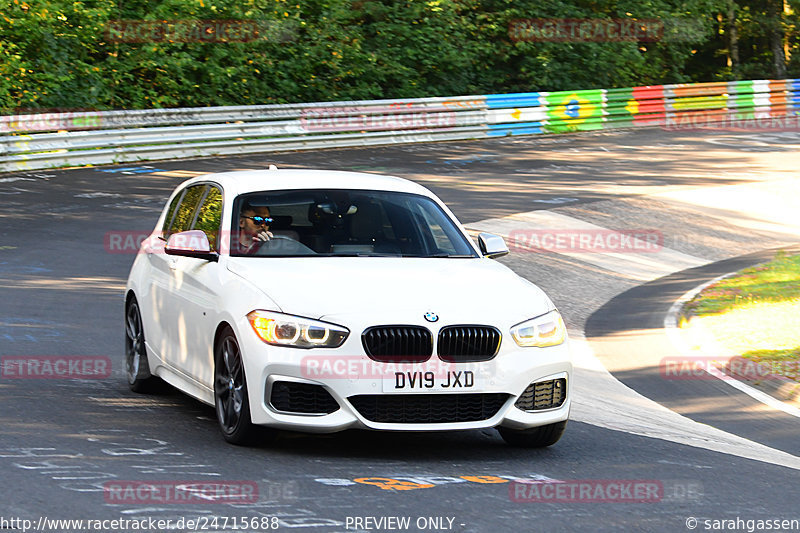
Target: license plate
pixel 454 380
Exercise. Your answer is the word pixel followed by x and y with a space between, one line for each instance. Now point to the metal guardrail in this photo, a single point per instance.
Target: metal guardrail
pixel 36 141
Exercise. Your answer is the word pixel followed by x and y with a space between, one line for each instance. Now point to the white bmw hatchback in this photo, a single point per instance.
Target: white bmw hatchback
pixel 320 301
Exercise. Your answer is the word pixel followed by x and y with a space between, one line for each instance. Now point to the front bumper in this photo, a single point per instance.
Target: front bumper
pixel 347 372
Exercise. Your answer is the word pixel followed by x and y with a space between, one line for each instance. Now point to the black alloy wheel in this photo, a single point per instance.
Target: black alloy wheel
pixel 230 391
pixel 136 366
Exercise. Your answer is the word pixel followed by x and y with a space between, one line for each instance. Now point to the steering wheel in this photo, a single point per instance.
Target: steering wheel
pixel 282 245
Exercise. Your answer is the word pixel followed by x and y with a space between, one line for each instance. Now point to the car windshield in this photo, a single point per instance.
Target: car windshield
pixel 344 223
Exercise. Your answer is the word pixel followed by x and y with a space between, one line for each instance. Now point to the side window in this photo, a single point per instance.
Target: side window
pixel 184 214
pixel 209 216
pixel 170 215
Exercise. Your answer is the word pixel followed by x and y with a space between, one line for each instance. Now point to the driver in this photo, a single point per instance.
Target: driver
pixel 254 224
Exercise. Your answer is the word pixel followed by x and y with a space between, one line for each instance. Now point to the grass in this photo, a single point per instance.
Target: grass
pixel 776 281
pixel 782 362
pixel 756 313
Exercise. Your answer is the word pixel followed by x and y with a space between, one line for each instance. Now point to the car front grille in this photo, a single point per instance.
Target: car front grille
pixel 428 408
pixel 398 344
pixel 543 395
pixel 302 398
pixel 468 344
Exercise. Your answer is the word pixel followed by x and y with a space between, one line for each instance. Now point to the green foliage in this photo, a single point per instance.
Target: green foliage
pixel 776 281
pixel 780 362
pixel 57 53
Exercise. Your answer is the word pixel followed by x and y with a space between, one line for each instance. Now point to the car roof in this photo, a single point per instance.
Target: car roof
pixel 245 181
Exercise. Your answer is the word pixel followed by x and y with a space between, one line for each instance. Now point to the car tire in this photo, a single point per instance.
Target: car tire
pixel 538 437
pixel 230 391
pixel 137 368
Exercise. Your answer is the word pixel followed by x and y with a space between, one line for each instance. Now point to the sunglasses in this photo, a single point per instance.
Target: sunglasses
pixel 260 220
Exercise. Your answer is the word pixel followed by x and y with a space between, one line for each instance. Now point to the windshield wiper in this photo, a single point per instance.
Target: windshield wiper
pixel 388 254
pixel 441 255
pixel 359 254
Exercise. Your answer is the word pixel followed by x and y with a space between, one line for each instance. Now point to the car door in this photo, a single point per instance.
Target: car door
pixel 193 298
pixel 158 318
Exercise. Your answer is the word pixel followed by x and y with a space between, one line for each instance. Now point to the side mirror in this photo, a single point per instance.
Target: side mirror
pixel 192 243
pixel 492 246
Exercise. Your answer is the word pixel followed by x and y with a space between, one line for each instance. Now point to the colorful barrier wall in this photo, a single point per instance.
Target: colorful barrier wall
pixel 696 105
pixel 34 141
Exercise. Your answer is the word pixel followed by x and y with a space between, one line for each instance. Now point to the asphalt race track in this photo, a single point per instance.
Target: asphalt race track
pixel 717 453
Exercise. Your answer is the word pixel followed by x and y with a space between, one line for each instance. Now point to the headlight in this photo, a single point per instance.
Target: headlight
pixel 295 331
pixel 542 331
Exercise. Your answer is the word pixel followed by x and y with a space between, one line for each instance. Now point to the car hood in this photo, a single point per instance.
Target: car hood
pixel 394 290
